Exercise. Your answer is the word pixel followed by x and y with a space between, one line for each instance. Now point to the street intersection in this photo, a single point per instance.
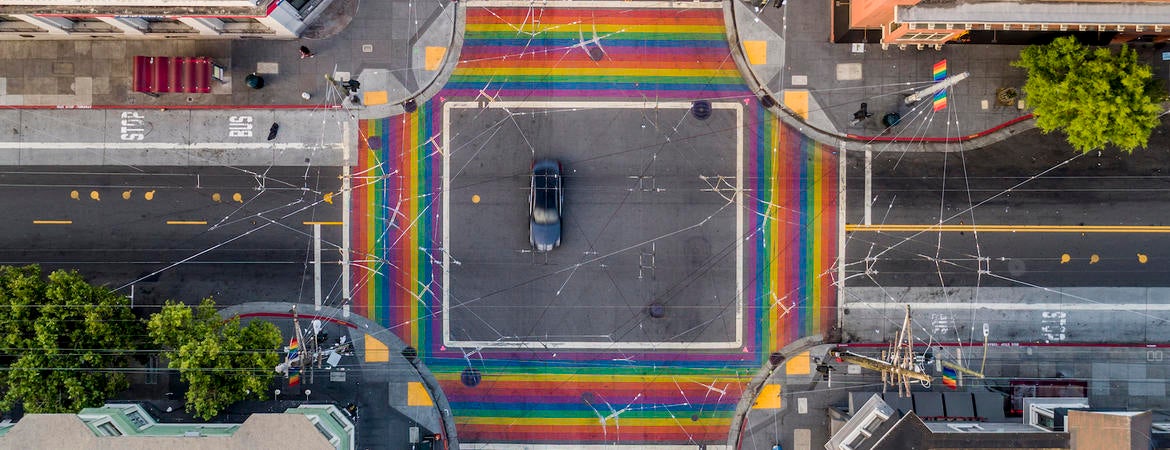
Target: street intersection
pixel 695 248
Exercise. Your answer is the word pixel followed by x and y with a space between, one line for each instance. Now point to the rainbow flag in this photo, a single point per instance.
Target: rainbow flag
pixel 940 100
pixel 950 378
pixel 940 70
pixel 294 372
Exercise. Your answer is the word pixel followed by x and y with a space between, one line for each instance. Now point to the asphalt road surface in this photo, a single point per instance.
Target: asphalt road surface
pixel 1056 235
pixel 1028 181
pixel 183 233
pixel 643 224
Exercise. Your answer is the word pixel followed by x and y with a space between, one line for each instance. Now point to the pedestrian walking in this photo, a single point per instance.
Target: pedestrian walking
pixel 861 114
pixel 306 53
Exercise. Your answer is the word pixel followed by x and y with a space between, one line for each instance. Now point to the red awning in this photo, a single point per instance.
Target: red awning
pixel 172 74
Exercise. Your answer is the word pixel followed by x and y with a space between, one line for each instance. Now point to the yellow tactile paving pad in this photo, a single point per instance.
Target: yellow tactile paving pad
pixel 417 395
pixel 376 351
pixel 769 397
pixel 756 51
pixel 434 57
pixel 797 101
pixel 371 98
pixel 797 365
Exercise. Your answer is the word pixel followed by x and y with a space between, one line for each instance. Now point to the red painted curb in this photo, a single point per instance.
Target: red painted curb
pixel 289 316
pixel 940 139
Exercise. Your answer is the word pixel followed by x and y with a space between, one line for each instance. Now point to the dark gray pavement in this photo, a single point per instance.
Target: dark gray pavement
pixel 383 44
pixel 162 233
pixel 641 225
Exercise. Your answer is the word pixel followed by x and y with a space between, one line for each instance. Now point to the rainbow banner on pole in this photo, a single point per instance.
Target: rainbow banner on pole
pixel 940 100
pixel 940 97
pixel 294 372
pixel 950 378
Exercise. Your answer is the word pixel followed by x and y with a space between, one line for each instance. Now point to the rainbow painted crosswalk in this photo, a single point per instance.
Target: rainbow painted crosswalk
pixel 589 397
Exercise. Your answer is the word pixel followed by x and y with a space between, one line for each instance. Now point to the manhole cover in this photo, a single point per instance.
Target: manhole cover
pixel 657 310
pixel 470 377
pixel 410 106
pixel 374 143
pixel 596 53
pixel 701 109
pixel 776 358
pixel 409 353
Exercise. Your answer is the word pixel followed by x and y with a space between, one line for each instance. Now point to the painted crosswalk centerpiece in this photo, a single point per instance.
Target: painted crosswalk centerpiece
pixel 644 396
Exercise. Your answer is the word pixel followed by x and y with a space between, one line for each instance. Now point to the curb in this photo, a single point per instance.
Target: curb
pixel 450 60
pixel 855 142
pixel 748 397
pixel 362 324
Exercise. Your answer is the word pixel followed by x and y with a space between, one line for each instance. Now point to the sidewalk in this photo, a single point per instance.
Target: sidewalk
pixel 785 53
pixel 395 48
pixel 788 55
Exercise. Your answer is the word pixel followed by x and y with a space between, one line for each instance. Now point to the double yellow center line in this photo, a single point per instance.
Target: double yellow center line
pixel 1010 228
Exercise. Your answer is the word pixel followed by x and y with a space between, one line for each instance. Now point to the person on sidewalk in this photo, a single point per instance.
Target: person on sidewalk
pixel 306 53
pixel 861 114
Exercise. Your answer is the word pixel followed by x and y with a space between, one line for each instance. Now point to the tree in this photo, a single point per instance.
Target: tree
pixel 64 341
pixel 1094 96
pixel 221 362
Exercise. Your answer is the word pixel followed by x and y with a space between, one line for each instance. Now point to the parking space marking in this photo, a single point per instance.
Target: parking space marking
pixel 186 222
pixel 736 107
pixel 52 222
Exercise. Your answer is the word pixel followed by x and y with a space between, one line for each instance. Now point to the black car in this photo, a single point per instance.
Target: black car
pixel 545 200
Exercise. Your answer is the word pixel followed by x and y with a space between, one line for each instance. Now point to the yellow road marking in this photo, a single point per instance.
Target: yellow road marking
pixel 95 195
pixel 52 222
pixel 321 223
pixel 1012 228
pixel 148 195
pixel 186 222
pixel 74 195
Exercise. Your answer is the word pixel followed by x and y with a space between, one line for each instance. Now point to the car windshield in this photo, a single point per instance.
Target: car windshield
pixel 545 189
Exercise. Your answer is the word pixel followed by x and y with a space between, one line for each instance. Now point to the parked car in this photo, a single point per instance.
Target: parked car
pixel 545 200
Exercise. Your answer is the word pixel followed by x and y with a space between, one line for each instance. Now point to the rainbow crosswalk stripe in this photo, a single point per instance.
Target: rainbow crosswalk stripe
pixel 940 70
pixel 798 203
pixel 591 397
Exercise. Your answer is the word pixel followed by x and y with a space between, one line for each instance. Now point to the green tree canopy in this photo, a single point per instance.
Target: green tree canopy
pixel 1094 96
pixel 64 341
pixel 220 361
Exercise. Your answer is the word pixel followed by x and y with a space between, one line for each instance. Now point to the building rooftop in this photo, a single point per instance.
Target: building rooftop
pixel 129 426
